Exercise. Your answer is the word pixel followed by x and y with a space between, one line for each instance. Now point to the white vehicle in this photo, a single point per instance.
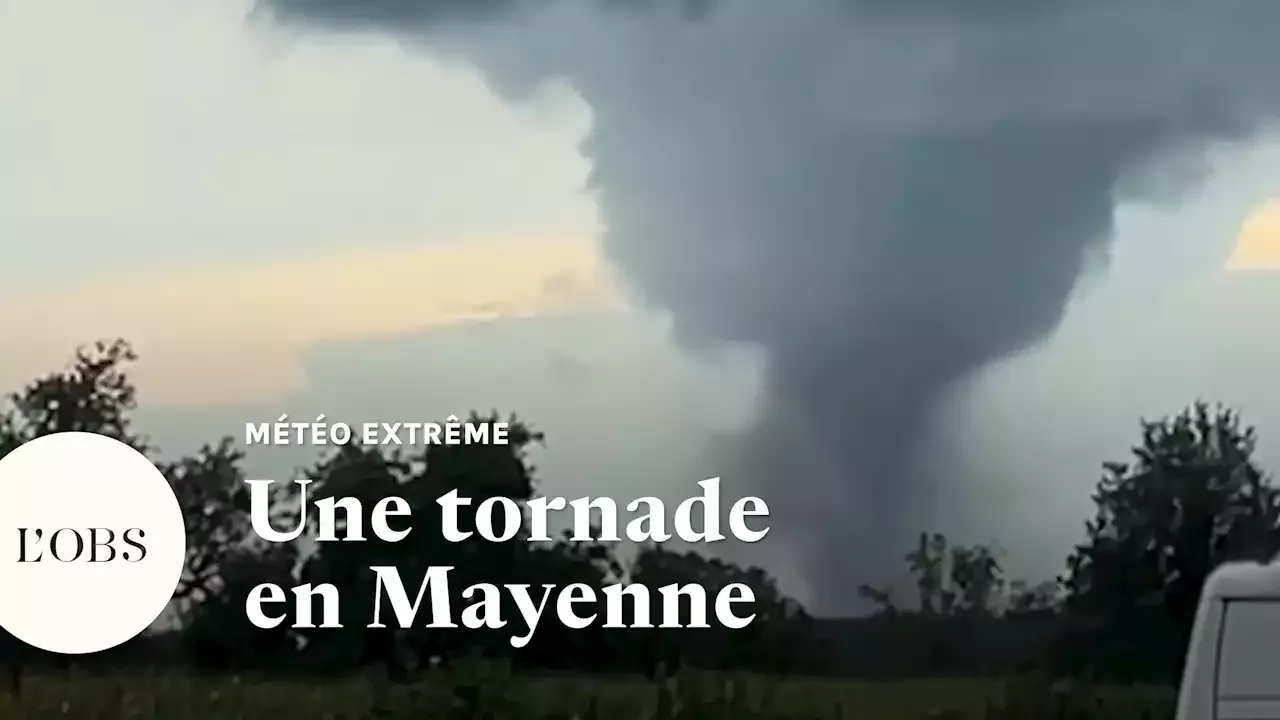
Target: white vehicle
pixel 1233 660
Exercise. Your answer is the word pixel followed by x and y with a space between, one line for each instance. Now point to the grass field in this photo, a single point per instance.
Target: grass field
pixel 475 696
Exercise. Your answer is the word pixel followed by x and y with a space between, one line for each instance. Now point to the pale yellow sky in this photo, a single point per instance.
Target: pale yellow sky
pixel 1259 245
pixel 242 329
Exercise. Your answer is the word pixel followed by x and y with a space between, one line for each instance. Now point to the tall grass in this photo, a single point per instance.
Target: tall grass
pixel 490 693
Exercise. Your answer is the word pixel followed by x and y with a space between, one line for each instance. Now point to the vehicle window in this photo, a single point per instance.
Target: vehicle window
pixel 1249 664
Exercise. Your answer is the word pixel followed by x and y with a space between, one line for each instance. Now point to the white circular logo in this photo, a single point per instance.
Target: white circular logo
pixel 92 543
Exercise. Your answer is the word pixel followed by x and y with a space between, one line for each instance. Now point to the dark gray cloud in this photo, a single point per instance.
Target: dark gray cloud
pixel 884 194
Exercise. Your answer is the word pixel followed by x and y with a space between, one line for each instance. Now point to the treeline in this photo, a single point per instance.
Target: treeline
pixel 1190 497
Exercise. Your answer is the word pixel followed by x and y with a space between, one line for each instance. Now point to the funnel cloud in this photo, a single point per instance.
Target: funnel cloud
pixel 884 195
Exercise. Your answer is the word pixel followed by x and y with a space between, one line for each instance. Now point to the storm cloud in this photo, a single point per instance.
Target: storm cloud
pixel 884 195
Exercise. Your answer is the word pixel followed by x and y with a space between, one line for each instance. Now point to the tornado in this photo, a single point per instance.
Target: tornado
pixel 884 196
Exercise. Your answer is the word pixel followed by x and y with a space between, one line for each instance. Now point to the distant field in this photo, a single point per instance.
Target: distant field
pixel 707 696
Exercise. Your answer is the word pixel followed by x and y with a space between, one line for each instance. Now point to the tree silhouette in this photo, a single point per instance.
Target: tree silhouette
pixel 215 633
pixel 775 639
pixel 93 395
pixel 927 564
pixel 1191 498
pixel 214 499
pixel 96 394
pixel 949 579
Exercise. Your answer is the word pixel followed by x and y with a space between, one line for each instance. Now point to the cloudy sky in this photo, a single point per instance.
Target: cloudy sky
pixel 326 226
pixel 340 223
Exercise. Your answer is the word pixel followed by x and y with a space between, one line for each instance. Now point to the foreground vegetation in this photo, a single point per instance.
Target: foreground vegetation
pixel 491 693
pixel 1190 497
